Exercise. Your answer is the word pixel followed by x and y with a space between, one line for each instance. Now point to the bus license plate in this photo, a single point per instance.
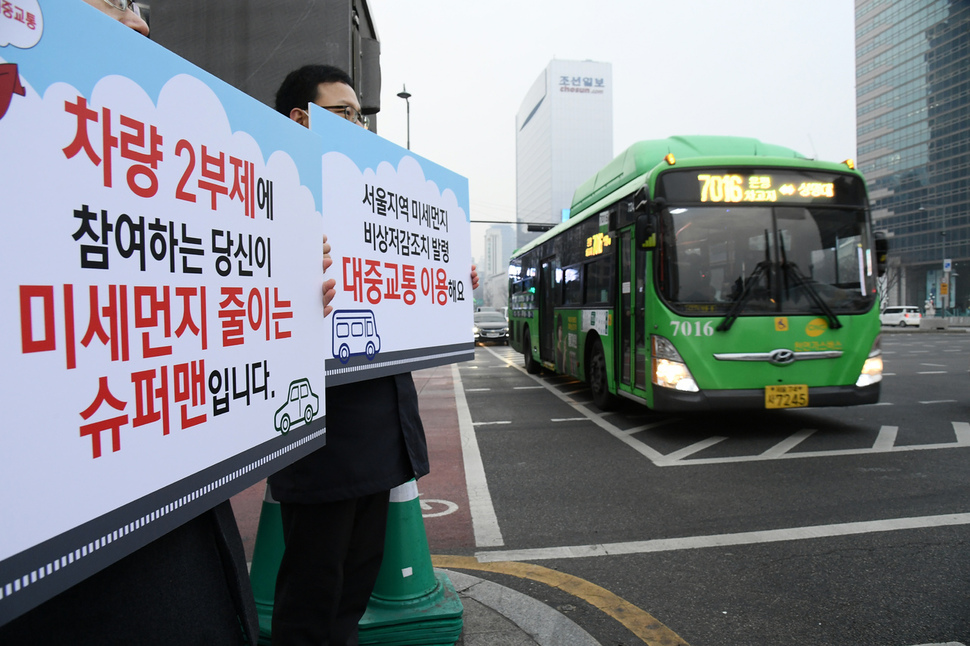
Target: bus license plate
pixel 792 396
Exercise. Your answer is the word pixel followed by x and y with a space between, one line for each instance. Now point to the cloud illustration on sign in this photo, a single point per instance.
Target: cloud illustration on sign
pixel 24 27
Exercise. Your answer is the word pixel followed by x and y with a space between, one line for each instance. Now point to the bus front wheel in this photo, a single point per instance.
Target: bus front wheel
pixel 596 375
pixel 531 365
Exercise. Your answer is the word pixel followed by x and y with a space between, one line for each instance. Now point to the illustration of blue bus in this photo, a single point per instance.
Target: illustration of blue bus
pixel 301 407
pixel 355 332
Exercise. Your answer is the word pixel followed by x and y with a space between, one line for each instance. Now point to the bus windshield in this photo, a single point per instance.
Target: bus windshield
pixel 777 260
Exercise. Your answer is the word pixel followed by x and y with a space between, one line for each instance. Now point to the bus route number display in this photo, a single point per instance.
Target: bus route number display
pixel 735 188
pixel 760 185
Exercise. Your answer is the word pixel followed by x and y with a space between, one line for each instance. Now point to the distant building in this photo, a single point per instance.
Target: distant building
pixel 499 245
pixel 564 134
pixel 913 121
pixel 493 252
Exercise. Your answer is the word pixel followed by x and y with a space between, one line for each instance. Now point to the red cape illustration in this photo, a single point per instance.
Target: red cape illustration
pixel 9 85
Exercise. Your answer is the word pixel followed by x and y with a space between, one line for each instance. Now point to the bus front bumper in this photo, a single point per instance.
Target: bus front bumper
pixel 665 399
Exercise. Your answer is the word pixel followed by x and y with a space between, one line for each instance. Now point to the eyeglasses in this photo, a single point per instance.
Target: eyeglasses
pixel 123 5
pixel 348 112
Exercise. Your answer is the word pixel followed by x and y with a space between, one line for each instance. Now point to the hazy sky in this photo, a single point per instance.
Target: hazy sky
pixel 782 72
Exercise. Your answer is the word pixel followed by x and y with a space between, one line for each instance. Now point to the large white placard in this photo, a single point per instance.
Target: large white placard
pixel 163 331
pixel 399 226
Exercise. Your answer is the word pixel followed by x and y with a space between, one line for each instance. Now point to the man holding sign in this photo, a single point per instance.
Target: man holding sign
pixel 334 502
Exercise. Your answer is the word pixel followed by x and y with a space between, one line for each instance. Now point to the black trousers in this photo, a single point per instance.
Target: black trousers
pixel 330 564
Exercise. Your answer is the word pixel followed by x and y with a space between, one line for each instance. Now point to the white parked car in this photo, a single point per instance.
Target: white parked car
pixel 901 315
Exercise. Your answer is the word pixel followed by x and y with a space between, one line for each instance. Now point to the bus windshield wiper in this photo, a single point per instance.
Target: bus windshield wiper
pixel 800 280
pixel 745 295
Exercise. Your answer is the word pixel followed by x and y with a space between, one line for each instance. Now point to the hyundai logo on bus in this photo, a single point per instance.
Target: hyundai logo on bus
pixel 782 357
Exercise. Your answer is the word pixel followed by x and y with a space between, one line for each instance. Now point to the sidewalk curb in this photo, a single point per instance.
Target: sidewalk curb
pixel 545 625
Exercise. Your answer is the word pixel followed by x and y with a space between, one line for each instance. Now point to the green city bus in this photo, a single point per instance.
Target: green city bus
pixel 708 273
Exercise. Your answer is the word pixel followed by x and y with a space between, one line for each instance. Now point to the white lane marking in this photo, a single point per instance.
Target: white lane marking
pixel 886 439
pixel 526 387
pixel 697 447
pixel 491 423
pixel 569 419
pixel 962 430
pixel 647 427
pixel 649 453
pixel 932 372
pixel 934 365
pixel 725 540
pixel 788 444
pixel 478 390
pixel 938 401
pixel 817 454
pixel 484 521
pixel 661 460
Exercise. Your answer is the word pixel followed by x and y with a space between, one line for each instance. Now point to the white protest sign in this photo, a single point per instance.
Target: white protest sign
pixel 399 228
pixel 160 296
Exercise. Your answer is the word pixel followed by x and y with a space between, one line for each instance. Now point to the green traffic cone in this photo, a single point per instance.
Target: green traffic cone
pixel 406 571
pixel 267 554
pixel 411 603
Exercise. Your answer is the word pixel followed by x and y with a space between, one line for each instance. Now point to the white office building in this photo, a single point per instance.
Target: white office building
pixel 564 134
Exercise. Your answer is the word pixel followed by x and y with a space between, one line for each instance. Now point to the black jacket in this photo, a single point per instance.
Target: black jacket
pixel 375 442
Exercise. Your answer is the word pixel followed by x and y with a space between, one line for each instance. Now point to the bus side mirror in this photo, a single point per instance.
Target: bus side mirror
pixel 646 231
pixel 641 201
pixel 882 252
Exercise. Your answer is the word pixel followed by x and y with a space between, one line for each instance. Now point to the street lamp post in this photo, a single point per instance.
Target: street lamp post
pixel 404 94
pixel 945 279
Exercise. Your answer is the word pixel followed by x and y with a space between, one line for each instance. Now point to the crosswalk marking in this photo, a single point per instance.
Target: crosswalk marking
pixel 688 456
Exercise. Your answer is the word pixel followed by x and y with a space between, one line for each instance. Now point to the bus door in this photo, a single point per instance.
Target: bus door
pixel 633 347
pixel 548 289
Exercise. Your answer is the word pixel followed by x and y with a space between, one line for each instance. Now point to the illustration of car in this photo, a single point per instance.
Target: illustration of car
pixel 300 408
pixel 355 332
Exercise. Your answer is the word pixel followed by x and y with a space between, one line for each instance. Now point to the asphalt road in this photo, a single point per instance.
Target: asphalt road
pixel 843 526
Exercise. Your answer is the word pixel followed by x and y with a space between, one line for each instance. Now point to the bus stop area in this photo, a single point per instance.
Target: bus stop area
pixel 493 615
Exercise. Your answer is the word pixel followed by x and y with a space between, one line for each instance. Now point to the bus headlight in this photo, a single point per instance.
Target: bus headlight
pixel 872 368
pixel 669 369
